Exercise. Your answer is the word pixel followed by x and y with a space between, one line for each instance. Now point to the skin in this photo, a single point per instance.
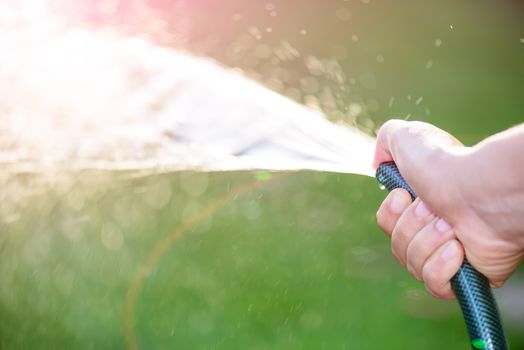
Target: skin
pixel 471 203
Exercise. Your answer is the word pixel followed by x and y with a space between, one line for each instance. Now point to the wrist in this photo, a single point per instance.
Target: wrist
pixel 493 188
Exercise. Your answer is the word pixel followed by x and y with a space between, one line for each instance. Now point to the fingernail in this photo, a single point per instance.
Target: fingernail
pixel 398 203
pixel 422 210
pixel 442 226
pixel 450 251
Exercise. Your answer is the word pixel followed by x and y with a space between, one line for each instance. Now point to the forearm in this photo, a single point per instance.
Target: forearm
pixel 497 178
pixel 505 153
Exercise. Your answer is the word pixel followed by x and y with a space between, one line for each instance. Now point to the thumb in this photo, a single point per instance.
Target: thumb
pixel 400 140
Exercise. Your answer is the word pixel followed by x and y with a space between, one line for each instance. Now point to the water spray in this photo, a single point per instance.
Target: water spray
pixel 471 288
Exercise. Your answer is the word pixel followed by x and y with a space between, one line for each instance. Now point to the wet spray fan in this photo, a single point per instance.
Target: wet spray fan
pixel 470 286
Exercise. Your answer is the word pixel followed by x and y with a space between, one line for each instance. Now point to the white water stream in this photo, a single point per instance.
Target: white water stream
pixel 73 98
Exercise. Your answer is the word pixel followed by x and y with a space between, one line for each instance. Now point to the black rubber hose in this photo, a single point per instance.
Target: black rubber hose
pixel 470 286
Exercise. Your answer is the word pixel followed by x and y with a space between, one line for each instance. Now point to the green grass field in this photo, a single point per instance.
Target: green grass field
pixel 296 263
pixel 100 260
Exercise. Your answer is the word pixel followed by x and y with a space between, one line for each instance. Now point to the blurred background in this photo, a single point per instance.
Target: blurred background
pixel 116 260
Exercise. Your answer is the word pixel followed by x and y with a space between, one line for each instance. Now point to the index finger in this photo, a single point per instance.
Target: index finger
pixel 383 147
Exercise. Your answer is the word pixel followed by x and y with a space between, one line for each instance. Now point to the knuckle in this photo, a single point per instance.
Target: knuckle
pixel 390 123
pixel 384 127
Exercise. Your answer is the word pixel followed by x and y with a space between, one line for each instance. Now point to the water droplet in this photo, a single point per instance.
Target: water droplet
pixel 391 101
pixel 194 210
pixel 194 184
pixel 314 65
pixel 75 199
pixel 312 102
pixel 190 209
pixel 285 51
pixel 37 250
pixel 419 100
pixel 255 32
pixel 380 59
pixel 157 193
pixel 111 236
pixel 72 228
pixel 438 43
pixel 414 294
pixel 303 32
pixel 263 51
pixel 334 71
pixel 429 64
pixel 275 84
pixel 269 6
pixel 251 209
pixel 309 85
pixel 294 94
pixel 201 322
pixel 354 110
pixel 311 320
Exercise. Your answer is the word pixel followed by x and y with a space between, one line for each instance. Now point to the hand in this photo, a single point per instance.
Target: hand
pixel 457 212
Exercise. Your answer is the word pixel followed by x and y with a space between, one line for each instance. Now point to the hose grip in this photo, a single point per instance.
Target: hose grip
pixel 471 288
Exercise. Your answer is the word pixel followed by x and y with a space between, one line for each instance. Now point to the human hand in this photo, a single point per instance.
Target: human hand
pixel 431 235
